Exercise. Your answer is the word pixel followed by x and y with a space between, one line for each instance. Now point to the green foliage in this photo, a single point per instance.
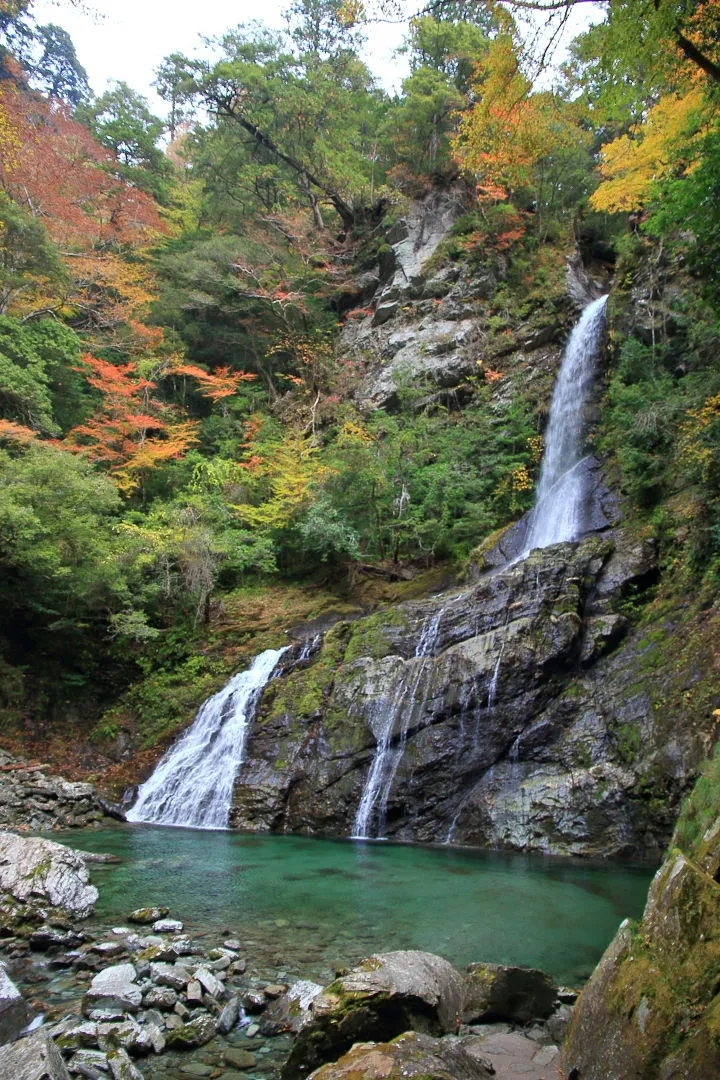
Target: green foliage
pixel 121 120
pixel 57 71
pixel 26 252
pixel 701 809
pixel 24 390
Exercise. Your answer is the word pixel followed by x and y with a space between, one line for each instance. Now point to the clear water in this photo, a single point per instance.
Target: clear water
pixel 304 906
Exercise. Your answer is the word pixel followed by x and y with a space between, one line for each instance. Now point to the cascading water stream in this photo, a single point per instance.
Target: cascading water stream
pixel 391 744
pixel 561 494
pixel 193 783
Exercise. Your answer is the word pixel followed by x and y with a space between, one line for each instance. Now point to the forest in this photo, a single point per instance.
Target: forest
pixel 379 431
pixel 179 428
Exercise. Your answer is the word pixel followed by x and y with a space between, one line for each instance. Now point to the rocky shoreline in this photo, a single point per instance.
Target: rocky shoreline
pixel 149 1001
pixel 31 799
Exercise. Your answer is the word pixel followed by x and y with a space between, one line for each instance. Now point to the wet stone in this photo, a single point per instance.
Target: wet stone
pixel 168 926
pixel 148 915
pixel 239 1059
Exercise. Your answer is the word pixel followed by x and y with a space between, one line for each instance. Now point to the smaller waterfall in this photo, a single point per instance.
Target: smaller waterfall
pixel 561 494
pixel 193 783
pixel 391 745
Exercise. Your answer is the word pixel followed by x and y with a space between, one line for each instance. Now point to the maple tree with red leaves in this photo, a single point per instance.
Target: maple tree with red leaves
pixel 132 432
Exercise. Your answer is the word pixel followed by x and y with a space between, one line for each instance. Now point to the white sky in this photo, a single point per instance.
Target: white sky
pixel 127 39
pixel 131 37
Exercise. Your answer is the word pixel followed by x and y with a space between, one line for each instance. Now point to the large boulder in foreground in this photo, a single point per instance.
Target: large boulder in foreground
pixel 14 1011
pixel 33 1058
pixel 409 1055
pixel 514 994
pixel 39 878
pixel 651 1009
pixel 386 995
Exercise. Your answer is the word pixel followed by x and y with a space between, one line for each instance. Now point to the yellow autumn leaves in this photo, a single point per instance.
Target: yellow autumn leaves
pixel 662 146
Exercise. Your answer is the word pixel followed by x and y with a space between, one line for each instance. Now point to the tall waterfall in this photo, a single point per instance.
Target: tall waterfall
pixel 561 494
pixel 193 783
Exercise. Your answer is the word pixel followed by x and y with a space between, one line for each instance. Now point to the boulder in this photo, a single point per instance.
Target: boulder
pixel 148 914
pixel 409 1055
pixel 385 995
pixel 114 988
pixel 121 1067
pixel 14 1011
pixel 515 994
pixel 195 1033
pixel 39 877
pixel 33 1058
pixel 650 1009
pixel 292 1011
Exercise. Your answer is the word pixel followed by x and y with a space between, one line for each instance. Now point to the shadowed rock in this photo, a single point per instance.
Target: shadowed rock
pixel 385 995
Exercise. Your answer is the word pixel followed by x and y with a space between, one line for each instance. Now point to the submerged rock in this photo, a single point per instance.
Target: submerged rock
pixel 409 1055
pixel 385 995
pixel 39 877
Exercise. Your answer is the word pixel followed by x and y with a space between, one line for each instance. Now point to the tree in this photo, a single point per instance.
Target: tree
pixel 666 144
pixel 132 432
pixel 657 34
pixel 284 109
pixel 174 84
pixel 322 29
pixel 26 253
pixel 57 71
pixel 511 139
pixel 122 122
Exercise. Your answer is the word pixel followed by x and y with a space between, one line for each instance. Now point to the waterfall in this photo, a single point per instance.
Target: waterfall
pixel 388 753
pixel 562 488
pixel 193 783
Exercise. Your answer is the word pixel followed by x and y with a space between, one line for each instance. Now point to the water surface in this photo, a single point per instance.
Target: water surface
pixel 305 906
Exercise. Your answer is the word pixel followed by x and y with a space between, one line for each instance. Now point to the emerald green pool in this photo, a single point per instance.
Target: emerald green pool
pixel 304 906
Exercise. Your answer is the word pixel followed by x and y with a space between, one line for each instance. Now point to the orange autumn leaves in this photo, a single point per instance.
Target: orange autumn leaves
pixel 53 168
pixel 133 431
pixel 507 129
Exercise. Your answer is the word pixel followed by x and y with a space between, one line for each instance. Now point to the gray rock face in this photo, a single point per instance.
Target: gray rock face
pixel 409 1055
pixel 650 1007
pixel 30 797
pixel 385 995
pixel 15 1013
pixel 529 723
pixel 39 876
pixel 32 1058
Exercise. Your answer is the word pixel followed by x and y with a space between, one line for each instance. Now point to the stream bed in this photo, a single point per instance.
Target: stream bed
pixel 304 906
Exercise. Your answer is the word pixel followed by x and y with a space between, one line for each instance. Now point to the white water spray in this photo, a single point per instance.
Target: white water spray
pixel 193 783
pixel 388 755
pixel 561 494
